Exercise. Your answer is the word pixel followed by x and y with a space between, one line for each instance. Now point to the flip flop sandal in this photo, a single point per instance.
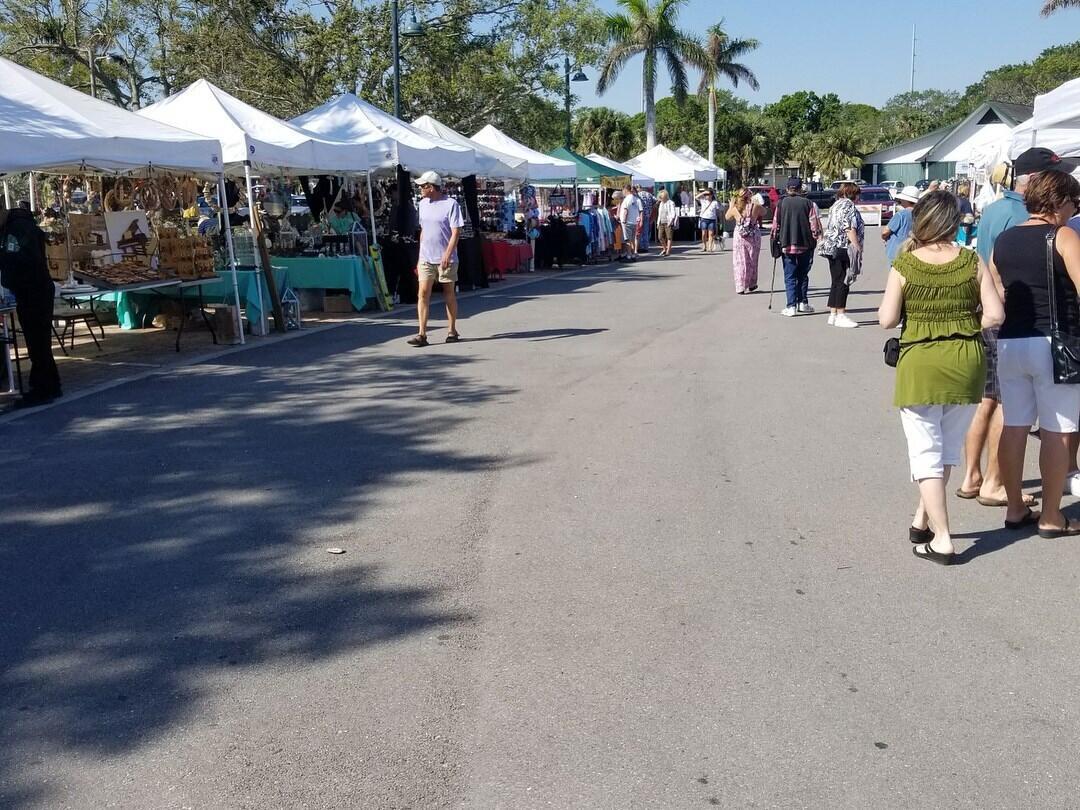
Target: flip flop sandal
pixel 967 495
pixel 920 535
pixel 1030 519
pixel 1053 534
pixel 453 337
pixel 1028 501
pixel 929 554
pixel 418 341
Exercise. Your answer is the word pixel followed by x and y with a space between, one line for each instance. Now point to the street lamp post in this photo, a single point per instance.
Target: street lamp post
pixel 412 29
pixel 571 76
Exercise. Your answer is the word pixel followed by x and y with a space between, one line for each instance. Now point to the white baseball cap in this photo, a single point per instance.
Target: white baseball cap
pixel 908 194
pixel 429 177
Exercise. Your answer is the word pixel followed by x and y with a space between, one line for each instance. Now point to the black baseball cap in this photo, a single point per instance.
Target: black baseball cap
pixel 794 182
pixel 1040 159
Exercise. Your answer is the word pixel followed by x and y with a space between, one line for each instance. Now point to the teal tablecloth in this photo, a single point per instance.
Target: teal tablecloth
pixel 136 310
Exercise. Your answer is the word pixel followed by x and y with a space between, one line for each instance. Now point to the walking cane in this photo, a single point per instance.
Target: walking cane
pixel 772 284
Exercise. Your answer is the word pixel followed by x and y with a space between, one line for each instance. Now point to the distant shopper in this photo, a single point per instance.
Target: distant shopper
pixel 710 211
pixel 629 218
pixel 24 272
pixel 667 217
pixel 341 218
pixel 440 228
pixel 747 216
pixel 1025 365
pixel 967 211
pixel 648 217
pixel 842 245
pixel 938 289
pixel 899 228
pixel 797 227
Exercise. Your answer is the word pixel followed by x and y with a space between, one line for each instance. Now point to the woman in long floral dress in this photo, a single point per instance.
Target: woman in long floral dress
pixel 747 216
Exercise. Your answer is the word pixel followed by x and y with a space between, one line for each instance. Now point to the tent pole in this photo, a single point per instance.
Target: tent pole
pixel 371 210
pixel 262 327
pixel 232 258
pixel 33 193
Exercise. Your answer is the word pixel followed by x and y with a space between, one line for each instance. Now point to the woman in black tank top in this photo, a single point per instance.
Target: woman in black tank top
pixel 1025 366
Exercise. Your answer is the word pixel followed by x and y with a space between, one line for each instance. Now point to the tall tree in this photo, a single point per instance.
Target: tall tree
pixel 605 131
pixel 723 51
pixel 651 30
pixel 837 150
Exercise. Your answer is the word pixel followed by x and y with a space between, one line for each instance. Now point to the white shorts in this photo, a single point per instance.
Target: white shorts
pixel 1028 390
pixel 935 436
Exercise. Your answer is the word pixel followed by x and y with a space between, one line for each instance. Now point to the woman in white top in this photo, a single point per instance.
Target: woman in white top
pixel 710 209
pixel 667 215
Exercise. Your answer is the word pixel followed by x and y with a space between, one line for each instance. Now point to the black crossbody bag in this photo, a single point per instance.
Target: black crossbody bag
pixel 1064 348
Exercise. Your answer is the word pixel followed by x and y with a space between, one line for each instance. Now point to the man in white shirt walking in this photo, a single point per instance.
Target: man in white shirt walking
pixel 629 217
pixel 440 228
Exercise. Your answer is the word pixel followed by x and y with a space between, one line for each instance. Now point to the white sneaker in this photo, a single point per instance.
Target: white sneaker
pixel 832 318
pixel 805 308
pixel 788 312
pixel 1072 484
pixel 844 322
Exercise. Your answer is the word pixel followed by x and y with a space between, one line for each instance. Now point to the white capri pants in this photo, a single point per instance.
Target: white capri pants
pixel 1028 390
pixel 935 437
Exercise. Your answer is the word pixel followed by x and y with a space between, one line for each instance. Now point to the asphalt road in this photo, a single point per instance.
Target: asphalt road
pixel 636 543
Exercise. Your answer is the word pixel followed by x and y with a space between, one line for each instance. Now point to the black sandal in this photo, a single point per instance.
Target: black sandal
pixel 1030 519
pixel 929 554
pixel 453 337
pixel 418 341
pixel 920 535
pixel 1053 534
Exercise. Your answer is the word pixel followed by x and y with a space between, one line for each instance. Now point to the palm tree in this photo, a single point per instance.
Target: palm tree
pixel 650 30
pixel 605 131
pixel 1050 6
pixel 723 51
pixel 836 151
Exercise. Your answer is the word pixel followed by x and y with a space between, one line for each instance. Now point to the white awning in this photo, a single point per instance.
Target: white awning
pixel 541 166
pixel 390 142
pixel 701 162
pixel 638 177
pixel 490 162
pixel 1060 108
pixel 46 126
pixel 248 134
pixel 668 167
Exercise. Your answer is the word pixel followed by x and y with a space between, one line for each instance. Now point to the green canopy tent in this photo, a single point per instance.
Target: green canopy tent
pixel 590 174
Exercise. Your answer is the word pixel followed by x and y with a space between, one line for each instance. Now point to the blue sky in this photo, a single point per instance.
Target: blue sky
pixel 860 51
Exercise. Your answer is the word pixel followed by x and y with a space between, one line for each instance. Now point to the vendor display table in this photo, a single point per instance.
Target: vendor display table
pixel 505 256
pixel 352 273
pixel 687 230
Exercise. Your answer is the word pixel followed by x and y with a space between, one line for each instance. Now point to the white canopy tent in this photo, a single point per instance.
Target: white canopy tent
pixel 638 177
pixel 251 137
pixel 540 166
pixel 47 126
pixel 1064 140
pixel 389 141
pixel 668 167
pixel 701 162
pixel 490 162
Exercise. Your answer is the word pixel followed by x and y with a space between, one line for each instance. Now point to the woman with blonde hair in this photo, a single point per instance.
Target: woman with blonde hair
pixel 666 218
pixel 941 370
pixel 746 249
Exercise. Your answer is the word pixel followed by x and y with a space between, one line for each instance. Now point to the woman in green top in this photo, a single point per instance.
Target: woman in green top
pixel 937 289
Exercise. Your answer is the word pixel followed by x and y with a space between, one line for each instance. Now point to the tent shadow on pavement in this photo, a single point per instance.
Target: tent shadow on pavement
pixel 162 534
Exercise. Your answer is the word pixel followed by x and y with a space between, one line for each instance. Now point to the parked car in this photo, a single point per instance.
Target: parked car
pixel 922 185
pixel 892 186
pixel 875 204
pixel 299 205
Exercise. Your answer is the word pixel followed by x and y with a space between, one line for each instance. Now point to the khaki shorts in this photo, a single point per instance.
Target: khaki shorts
pixel 430 271
pixel 665 232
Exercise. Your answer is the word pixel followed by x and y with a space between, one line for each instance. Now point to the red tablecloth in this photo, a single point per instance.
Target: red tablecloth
pixel 502 256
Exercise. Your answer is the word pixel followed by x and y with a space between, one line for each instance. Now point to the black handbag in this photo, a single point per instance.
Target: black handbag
pixel 1064 348
pixel 775 248
pixel 892 352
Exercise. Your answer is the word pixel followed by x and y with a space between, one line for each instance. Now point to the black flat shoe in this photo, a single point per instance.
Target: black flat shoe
pixel 1053 534
pixel 1030 519
pixel 928 553
pixel 920 535
pixel 453 337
